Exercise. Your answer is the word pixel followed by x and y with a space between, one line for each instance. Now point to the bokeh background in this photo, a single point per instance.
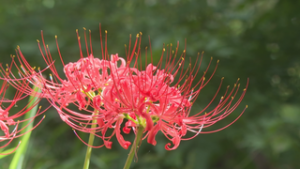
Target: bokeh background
pixel 256 39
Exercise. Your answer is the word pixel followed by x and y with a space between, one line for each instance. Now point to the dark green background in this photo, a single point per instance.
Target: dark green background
pixel 259 39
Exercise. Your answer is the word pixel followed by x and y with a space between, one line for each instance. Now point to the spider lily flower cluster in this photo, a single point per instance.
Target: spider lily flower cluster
pixel 111 90
pixel 9 117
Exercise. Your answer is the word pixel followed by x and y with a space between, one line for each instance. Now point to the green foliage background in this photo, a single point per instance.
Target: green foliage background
pixel 259 39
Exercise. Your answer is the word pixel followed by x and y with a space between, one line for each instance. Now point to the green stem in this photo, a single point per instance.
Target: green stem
pixel 89 148
pixel 134 147
pixel 18 158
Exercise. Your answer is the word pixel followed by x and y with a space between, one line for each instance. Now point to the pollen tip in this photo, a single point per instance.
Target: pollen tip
pixel 222 78
pixel 171 44
pixel 40 107
pixel 84 28
pixel 164 49
pixel 238 79
pixel 76 30
pixel 55 36
pixel 137 35
pixel 211 58
pixel 141 33
pixel 184 51
pixel 218 61
pixel 246 106
pixel 90 31
pixel 105 31
pixel 38 41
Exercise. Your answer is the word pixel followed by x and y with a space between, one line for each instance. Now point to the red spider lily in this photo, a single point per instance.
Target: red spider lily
pixel 153 99
pixel 9 118
pixel 158 98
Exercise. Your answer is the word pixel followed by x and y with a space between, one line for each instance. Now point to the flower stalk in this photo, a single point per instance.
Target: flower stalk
pixel 134 146
pixel 90 143
pixel 19 156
